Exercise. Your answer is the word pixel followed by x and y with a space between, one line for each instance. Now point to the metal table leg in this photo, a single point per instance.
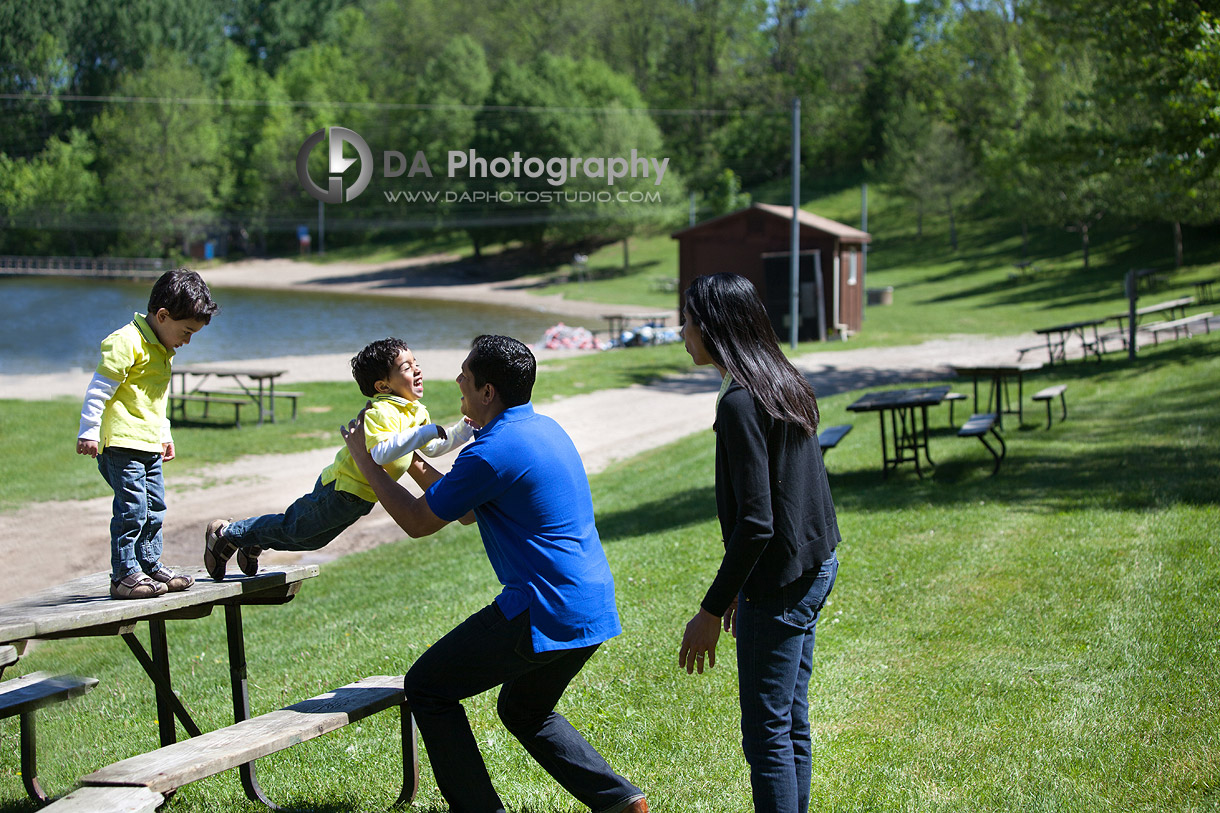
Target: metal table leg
pixel 241 697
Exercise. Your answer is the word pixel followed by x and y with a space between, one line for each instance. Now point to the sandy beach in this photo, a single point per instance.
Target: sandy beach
pixel 606 426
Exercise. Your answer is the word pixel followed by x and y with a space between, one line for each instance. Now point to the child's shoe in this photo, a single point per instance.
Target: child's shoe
pixel 174 582
pixel 247 560
pixel 137 585
pixel 216 549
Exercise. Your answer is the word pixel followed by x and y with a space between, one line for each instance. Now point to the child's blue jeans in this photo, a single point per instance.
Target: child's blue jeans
pixel 308 524
pixel 138 509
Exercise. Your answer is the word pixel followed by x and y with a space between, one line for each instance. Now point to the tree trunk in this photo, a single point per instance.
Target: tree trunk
pixel 1177 244
pixel 1084 242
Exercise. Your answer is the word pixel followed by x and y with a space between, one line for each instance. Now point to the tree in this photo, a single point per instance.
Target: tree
pixel 47 202
pixel 162 166
pixel 558 109
pixel 1157 102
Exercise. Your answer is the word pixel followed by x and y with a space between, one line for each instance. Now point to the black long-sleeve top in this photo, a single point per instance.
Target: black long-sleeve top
pixel 773 498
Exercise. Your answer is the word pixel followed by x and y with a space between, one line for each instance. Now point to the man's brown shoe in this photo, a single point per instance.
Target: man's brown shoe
pixel 638 806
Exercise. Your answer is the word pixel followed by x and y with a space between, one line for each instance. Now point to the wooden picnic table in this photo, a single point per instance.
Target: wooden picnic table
pixel 998 376
pixel 908 417
pixel 83 608
pixel 1057 338
pixel 618 321
pixel 1175 307
pixel 257 385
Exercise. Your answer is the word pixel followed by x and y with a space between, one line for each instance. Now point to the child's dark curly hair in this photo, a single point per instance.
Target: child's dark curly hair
pixel 372 364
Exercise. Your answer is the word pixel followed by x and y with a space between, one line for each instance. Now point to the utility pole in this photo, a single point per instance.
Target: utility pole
pixel 794 269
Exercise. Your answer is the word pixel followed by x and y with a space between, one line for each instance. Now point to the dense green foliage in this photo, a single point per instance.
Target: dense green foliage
pixel 138 127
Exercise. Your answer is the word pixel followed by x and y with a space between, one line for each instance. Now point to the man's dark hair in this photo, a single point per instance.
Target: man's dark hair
pixel 373 363
pixel 184 294
pixel 506 364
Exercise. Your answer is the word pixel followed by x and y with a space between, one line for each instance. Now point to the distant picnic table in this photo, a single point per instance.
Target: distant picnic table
pixel 998 376
pixel 1057 338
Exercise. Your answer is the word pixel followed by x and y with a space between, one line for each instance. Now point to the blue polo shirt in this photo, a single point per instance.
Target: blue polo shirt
pixel 527 486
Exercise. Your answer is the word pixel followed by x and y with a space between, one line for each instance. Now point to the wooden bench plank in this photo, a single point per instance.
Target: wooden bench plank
pixel 181 763
pixel 829 437
pixel 8 655
pixel 1183 324
pixel 107 800
pixel 24 694
pixel 1048 395
pixel 208 399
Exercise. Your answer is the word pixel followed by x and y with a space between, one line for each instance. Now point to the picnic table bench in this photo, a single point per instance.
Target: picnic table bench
pixel 291 395
pixel 829 437
pixel 977 427
pixel 178 401
pixel 152 775
pixel 21 697
pixel 1178 325
pixel 1048 394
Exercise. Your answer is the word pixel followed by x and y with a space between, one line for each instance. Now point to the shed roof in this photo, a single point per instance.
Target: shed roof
pixel 809 219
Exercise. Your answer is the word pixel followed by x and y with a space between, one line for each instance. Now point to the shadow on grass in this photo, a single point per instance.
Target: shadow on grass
pixel 674 511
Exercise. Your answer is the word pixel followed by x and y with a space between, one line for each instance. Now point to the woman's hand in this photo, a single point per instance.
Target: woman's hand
pixel 699 642
pixel 730 618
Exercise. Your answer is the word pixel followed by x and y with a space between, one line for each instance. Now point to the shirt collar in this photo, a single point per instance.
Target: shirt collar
pixel 141 323
pixel 400 402
pixel 724 386
pixel 517 413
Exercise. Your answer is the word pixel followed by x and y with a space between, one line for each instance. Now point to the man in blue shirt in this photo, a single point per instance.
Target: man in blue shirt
pixel 525 484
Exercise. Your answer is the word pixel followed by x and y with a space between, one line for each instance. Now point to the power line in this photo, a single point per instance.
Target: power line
pixel 652 111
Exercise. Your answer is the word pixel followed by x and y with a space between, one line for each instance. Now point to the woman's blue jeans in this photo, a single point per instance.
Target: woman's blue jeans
pixel 488 650
pixel 775 635
pixel 138 510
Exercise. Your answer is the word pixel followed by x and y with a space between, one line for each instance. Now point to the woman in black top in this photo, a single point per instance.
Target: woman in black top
pixel 780 533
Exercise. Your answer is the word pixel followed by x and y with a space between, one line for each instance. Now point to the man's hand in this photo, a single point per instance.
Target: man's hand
pixel 699 641
pixel 88 447
pixel 353 434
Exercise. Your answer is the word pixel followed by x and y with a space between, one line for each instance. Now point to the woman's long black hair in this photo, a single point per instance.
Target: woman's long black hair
pixel 738 336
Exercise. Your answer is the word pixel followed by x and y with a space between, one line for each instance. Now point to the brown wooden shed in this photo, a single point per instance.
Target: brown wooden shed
pixel 756 243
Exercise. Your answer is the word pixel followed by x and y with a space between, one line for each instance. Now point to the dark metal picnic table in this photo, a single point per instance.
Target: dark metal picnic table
pixel 83 608
pixel 998 376
pixel 908 417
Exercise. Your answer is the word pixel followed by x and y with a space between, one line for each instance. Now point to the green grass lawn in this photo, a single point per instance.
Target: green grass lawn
pixel 1041 640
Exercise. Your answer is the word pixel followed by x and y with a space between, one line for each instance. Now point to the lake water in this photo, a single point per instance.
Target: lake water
pixel 52 325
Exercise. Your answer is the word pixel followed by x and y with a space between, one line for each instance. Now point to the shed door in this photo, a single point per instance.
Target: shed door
pixel 776 273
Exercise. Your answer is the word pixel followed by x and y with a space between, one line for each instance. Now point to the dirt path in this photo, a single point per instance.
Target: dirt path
pixel 48 542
